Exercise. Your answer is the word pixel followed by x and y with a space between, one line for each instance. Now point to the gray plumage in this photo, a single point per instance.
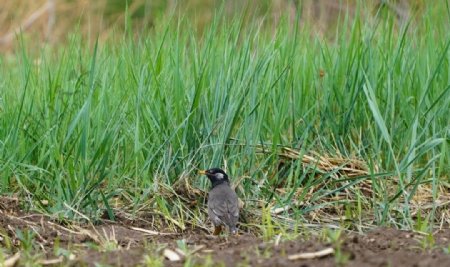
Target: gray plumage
pixel 223 203
pixel 223 206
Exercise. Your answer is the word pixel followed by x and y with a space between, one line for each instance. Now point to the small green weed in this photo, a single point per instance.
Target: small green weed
pixel 335 238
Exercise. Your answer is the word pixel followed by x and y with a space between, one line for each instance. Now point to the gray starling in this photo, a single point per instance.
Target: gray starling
pixel 223 203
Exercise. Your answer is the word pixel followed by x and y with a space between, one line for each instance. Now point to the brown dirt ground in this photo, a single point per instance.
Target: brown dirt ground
pixel 88 244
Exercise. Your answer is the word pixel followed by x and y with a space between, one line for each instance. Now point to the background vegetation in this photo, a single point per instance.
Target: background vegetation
pixel 49 21
pixel 319 117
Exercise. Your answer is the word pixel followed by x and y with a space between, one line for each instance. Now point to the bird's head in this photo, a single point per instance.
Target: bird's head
pixel 215 175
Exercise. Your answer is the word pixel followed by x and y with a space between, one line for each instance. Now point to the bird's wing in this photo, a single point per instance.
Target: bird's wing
pixel 227 211
pixel 233 207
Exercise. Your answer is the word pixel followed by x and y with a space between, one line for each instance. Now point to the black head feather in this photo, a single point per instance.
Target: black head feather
pixel 216 176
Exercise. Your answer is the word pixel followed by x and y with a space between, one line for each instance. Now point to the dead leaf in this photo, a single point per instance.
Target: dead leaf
pixel 12 260
pixel 171 255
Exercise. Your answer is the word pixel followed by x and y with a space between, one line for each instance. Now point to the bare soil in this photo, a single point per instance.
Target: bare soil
pixel 125 243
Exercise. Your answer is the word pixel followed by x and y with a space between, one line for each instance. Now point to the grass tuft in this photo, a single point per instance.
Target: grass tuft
pixel 354 128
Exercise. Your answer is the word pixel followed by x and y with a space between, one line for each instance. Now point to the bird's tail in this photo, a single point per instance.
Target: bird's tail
pixel 233 230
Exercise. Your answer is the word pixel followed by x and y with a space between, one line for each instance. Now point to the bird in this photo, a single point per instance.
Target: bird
pixel 223 203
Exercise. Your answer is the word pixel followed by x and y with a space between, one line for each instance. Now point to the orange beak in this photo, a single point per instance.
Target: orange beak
pixel 202 172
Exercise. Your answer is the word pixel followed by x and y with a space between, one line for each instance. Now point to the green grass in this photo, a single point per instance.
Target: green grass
pixel 82 126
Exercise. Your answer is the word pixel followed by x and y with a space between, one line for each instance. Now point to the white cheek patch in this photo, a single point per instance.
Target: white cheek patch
pixel 219 176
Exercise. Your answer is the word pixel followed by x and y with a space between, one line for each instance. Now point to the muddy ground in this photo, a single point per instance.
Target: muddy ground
pixel 131 242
